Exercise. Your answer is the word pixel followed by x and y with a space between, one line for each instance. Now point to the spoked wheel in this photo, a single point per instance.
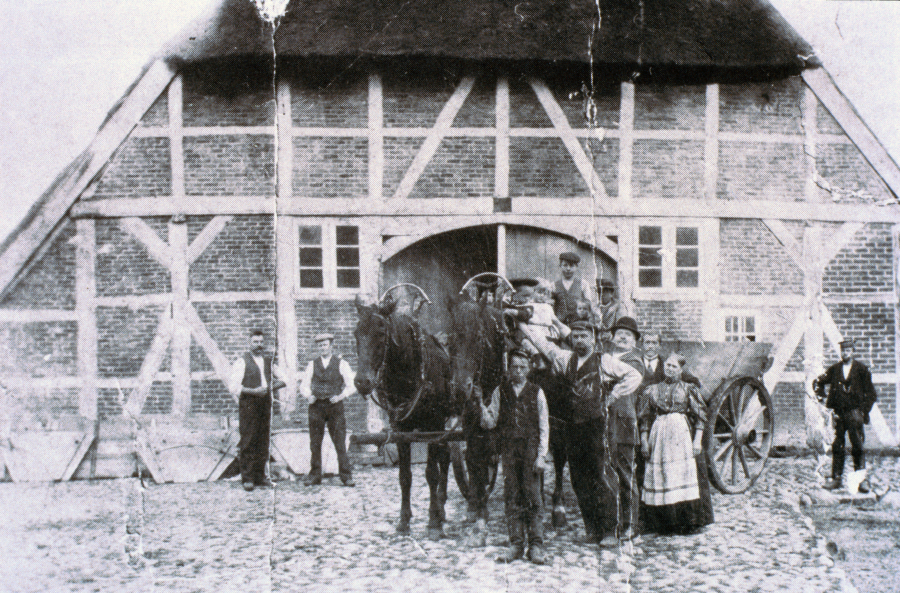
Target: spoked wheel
pixel 739 429
pixel 461 470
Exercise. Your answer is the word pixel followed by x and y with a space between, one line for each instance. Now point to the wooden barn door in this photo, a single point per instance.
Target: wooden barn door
pixel 534 253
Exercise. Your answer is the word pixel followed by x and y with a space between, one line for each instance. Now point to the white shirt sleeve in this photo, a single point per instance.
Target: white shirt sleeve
pixel 489 415
pixel 543 424
pixel 558 356
pixel 306 381
pixel 629 379
pixel 348 375
pixel 236 377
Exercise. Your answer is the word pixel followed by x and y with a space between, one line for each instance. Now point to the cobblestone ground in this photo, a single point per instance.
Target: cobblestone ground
pixel 118 536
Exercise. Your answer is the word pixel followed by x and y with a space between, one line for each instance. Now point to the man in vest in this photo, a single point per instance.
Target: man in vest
pixel 251 381
pixel 596 383
pixel 851 396
pixel 569 289
pixel 518 408
pixel 326 382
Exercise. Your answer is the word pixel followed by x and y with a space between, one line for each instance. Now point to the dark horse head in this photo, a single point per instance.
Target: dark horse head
pixel 372 334
pixel 477 344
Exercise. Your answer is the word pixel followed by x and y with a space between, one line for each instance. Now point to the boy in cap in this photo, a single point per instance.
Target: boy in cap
pixel 569 289
pixel 519 409
pixel 851 395
pixel 327 381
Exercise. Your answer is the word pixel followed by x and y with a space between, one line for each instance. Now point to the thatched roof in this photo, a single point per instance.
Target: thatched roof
pixel 706 34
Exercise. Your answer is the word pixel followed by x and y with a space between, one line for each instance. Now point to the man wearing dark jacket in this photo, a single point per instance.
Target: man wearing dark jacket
pixel 851 395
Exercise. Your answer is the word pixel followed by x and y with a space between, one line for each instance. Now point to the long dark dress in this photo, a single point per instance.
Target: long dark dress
pixel 676 494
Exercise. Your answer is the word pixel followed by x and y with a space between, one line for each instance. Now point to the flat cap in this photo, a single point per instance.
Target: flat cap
pixel 519 282
pixel 323 336
pixel 569 257
pixel 847 342
pixel 606 283
pixel 582 325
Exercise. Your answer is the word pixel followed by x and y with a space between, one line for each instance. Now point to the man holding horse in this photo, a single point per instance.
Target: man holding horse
pixel 519 410
pixel 596 382
pixel 327 381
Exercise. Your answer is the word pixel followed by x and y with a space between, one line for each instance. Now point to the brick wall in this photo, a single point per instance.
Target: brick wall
pixel 659 107
pixel 865 264
pixel 50 283
pixel 766 107
pixel 38 408
pixel 673 320
pixel 479 110
pixel 528 112
pixel 398 156
pixel 753 262
pixel 788 409
pixel 141 167
pixel 756 171
pixel 123 339
pixel 461 168
pixel 244 97
pixel 848 176
pixel 240 258
pixel 668 169
pixel 229 165
pixel 158 114
pixel 330 167
pixel 414 99
pixel 872 327
pixel 230 325
pixel 543 167
pixel 40 349
pixel 123 265
pixel 825 123
pixel 605 155
pixel 330 102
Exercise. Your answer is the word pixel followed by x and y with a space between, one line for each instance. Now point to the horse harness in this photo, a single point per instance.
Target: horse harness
pixel 401 412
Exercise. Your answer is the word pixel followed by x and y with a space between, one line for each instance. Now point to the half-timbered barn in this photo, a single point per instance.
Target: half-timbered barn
pixel 262 175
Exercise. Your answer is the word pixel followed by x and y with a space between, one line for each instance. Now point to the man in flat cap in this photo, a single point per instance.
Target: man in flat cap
pixel 610 306
pixel 326 382
pixel 253 380
pixel 851 396
pixel 571 288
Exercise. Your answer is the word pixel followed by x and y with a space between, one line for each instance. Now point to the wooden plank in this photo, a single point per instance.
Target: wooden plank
pixel 810 134
pixel 145 452
pixel 895 252
pixel 86 442
pixel 285 302
pixel 787 240
pixel 842 110
pixel 838 240
pixel 861 298
pixel 501 152
pixel 626 140
pixel 227 457
pixel 786 347
pixel 198 131
pixel 147 237
pixel 376 138
pixel 181 333
pixel 56 201
pixel 433 139
pixel 576 150
pixel 231 297
pixel 206 237
pixel 135 301
pixel 501 249
pixel 17 316
pixel 86 308
pixel 218 360
pixel 151 364
pixel 711 142
pixel 538 206
pixel 284 160
pixel 176 140
pixel 830 329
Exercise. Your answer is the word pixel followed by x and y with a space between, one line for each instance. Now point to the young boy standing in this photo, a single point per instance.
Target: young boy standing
pixel 519 409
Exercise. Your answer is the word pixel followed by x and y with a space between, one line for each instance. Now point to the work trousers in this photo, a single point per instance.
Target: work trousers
pixel 850 424
pixel 254 423
pixel 522 498
pixel 623 466
pixel 596 500
pixel 323 413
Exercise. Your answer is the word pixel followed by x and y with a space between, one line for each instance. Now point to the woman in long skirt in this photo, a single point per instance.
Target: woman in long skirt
pixel 671 417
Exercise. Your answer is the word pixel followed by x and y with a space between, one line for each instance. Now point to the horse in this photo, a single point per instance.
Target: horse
pixel 477 348
pixel 408 374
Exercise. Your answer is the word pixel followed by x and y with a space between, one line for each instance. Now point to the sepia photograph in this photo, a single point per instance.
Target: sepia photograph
pixel 586 295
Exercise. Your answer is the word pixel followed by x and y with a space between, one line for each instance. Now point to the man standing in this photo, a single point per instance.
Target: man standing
pixel 251 382
pixel 518 408
pixel 851 395
pixel 569 289
pixel 596 383
pixel 610 306
pixel 327 381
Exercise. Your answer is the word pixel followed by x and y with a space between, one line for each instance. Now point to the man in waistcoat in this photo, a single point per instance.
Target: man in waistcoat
pixel 326 382
pixel 251 381
pixel 519 410
pixel 570 289
pixel 596 382
pixel 851 396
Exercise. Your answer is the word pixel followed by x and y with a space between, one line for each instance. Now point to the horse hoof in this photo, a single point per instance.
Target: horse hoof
pixel 435 533
pixel 403 528
pixel 558 519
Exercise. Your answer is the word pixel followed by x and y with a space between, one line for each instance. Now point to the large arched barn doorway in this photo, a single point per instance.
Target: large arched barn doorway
pixel 441 263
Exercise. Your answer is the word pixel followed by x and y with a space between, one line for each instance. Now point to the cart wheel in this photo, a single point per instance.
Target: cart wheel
pixel 738 436
pixel 461 470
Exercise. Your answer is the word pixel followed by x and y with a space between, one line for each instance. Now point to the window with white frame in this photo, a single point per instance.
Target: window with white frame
pixel 668 256
pixel 328 256
pixel 740 327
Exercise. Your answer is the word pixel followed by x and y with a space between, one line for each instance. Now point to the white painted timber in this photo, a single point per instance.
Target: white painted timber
pixel 86 309
pixel 155 246
pixel 376 137
pixel 205 238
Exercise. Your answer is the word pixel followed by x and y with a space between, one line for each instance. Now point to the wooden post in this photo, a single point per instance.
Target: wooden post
pixel 501 249
pixel 376 137
pixel 501 152
pixel 810 136
pixel 181 331
pixel 86 308
pixel 626 140
pixel 285 250
pixel 711 144
pixel 176 138
pixel 895 249
pixel 812 285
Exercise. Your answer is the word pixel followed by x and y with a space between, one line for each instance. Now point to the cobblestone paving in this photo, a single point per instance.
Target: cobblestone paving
pixel 117 536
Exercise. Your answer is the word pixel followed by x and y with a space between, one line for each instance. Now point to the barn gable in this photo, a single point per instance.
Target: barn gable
pixel 213 201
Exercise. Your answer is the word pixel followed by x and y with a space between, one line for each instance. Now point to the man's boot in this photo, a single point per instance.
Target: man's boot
pixel 516 548
pixel 536 554
pixel 833 484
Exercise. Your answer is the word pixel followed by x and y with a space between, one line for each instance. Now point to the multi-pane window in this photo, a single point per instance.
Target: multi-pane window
pixel 668 257
pixel 740 328
pixel 329 256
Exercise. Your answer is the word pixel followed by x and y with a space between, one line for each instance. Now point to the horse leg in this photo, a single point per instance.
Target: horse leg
pixel 404 457
pixel 443 457
pixel 558 449
pixel 433 477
